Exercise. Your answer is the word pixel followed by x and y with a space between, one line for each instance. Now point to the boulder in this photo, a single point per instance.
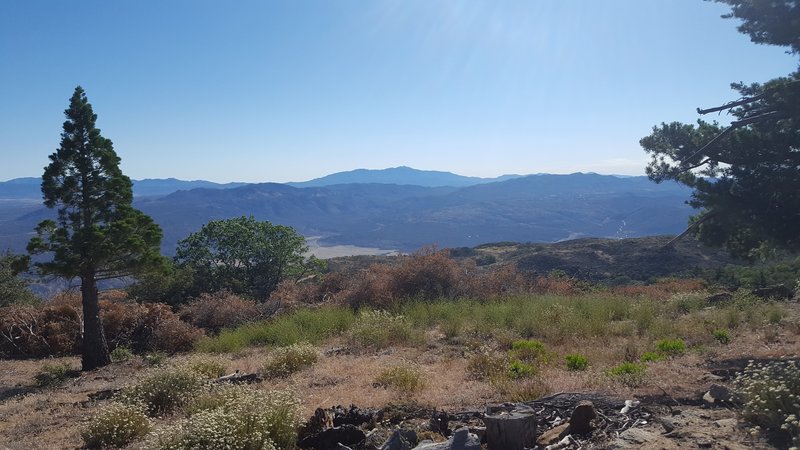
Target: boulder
pixel 582 416
pixel 461 439
pixel 718 395
pixel 400 440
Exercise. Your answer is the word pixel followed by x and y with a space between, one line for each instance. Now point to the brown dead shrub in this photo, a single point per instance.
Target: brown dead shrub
pixel 662 289
pixel 54 328
pixel 220 310
pixel 326 288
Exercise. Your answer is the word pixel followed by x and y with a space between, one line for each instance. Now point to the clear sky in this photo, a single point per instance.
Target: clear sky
pixel 287 91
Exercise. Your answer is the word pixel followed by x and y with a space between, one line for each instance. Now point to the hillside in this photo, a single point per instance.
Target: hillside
pixel 536 208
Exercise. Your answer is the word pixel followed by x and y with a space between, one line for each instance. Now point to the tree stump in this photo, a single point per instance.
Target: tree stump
pixel 510 428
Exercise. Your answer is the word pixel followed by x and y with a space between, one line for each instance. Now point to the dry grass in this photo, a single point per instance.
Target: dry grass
pixel 48 419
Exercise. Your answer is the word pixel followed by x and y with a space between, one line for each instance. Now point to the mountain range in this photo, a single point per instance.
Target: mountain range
pixel 398 208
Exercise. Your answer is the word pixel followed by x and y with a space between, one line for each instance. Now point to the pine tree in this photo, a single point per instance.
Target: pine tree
pixel 97 235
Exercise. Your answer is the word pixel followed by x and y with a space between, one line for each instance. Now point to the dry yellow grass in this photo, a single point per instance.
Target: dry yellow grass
pixel 46 419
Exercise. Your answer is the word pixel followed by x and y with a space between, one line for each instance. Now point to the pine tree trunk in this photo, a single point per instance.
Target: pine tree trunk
pixel 95 347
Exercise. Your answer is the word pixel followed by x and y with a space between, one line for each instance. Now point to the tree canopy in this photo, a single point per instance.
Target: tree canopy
pixel 243 255
pixel 746 175
pixel 13 288
pixel 97 235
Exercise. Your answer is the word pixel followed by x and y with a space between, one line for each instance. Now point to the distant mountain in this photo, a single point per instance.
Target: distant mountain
pixel 535 208
pixel 399 175
pixel 164 186
pixel 30 188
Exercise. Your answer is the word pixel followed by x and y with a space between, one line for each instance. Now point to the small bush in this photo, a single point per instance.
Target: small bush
pixel 485 366
pixel 223 309
pixel 116 426
pixel 403 379
pixel 671 347
pixel 521 390
pixel 629 373
pixel 285 361
pixel 163 389
pixel 237 418
pixel 53 375
pixel 381 329
pixel 205 366
pixel 533 351
pixel 120 354
pixel 577 362
pixel 154 358
pixel 518 369
pixel 722 336
pixel 651 357
pixel 770 392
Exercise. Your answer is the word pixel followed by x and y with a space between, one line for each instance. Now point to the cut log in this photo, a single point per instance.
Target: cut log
pixel 512 428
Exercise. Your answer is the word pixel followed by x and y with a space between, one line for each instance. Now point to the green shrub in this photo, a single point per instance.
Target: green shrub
pixel 154 358
pixel 577 362
pixel 207 367
pixel 285 361
pixel 381 329
pixel 163 389
pixel 238 418
pixel 530 350
pixel 121 353
pixel 52 375
pixel 116 426
pixel 628 373
pixel 405 380
pixel 722 336
pixel 770 392
pixel 671 347
pixel 519 369
pixel 651 357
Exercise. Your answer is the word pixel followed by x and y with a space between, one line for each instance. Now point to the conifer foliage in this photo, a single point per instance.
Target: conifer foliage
pixel 97 234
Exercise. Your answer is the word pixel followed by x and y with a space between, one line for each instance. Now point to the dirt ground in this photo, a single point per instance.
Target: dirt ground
pixel 32 417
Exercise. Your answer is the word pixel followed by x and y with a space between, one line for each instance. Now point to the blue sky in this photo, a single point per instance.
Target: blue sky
pixel 287 91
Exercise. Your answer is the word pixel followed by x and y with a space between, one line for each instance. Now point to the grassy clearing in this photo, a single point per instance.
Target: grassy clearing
pixel 303 325
pixel 535 318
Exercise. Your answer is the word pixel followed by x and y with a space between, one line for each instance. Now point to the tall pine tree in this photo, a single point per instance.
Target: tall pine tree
pixel 97 235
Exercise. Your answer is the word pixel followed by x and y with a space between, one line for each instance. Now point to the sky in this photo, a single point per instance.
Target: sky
pixel 279 91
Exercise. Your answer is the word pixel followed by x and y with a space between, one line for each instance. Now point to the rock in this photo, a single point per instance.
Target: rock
pixel 778 291
pixel 330 438
pixel 711 377
pixel 399 441
pixel 553 435
pixel 439 422
pixel 636 438
pixel 719 297
pixel 462 439
pixel 668 424
pixel 582 416
pixel 719 395
pixel 352 415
